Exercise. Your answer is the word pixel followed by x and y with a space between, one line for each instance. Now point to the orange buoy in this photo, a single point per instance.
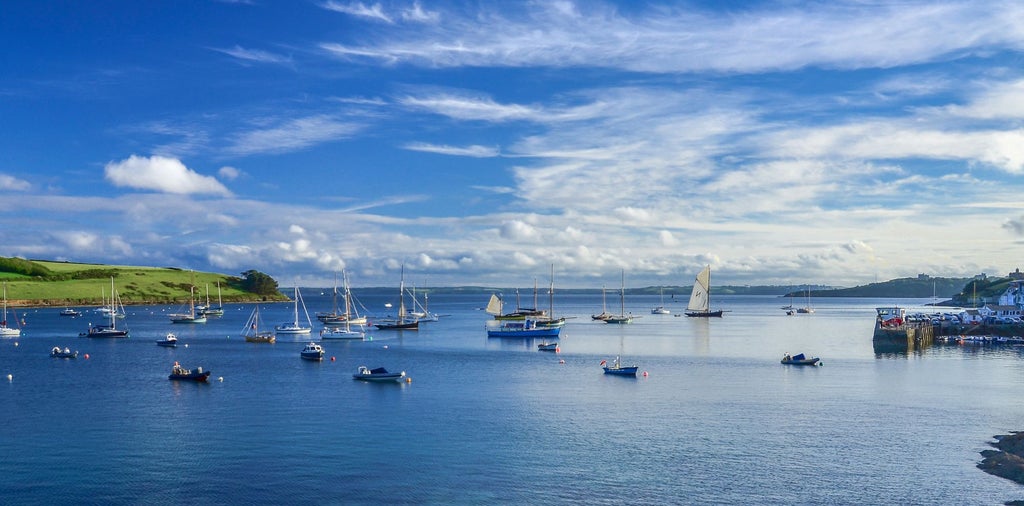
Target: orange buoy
pixel 87 355
pixel 332 359
pixel 645 374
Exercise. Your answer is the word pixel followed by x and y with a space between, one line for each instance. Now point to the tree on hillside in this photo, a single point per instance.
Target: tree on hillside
pixel 256 282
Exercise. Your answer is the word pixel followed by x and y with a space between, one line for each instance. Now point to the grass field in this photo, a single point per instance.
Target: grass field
pixel 134 285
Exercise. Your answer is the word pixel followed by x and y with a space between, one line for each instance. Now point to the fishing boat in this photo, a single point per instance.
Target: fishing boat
pixel 700 299
pixel 209 310
pixel 169 341
pixel 294 327
pixel 403 321
pixel 379 375
pixel 800 359
pixel 547 347
pixel 180 373
pixel 111 312
pixel 661 309
pixel 251 331
pixel 312 351
pixel 616 368
pixel 191 316
pixel 56 352
pixel 6 331
pixel 70 312
pixel 525 328
pixel 622 317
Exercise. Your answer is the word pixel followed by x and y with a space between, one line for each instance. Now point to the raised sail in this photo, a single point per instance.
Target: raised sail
pixel 700 297
pixel 494 305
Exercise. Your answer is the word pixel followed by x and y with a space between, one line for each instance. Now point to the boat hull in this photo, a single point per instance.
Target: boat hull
pixel 378 375
pixel 167 344
pixel 704 314
pixel 317 356
pixel 621 371
pixel 806 361
pixel 546 332
pixel 200 377
pixel 398 326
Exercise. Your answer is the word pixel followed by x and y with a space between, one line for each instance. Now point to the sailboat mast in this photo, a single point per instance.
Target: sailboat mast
pixel 401 297
pixel 622 294
pixel 551 294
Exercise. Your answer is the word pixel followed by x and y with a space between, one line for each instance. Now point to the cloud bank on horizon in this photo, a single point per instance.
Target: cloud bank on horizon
pixel 839 143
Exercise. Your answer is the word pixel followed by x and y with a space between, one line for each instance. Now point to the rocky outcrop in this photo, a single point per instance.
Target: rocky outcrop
pixel 1007 460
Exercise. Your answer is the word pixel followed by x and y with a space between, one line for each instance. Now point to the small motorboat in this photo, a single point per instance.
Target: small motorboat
pixel 379 374
pixel 341 333
pixel 800 359
pixel 56 352
pixel 312 351
pixel 70 312
pixel 547 347
pixel 616 368
pixel 171 341
pixel 180 373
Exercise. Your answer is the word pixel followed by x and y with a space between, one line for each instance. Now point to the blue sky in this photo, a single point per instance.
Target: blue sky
pixel 479 143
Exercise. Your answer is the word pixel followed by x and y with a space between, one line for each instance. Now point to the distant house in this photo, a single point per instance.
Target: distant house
pixel 972 316
pixel 999 311
pixel 1014 295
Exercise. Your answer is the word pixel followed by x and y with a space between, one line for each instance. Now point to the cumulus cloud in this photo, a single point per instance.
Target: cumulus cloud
pixel 161 174
pixel 12 183
pixel 517 230
pixel 229 173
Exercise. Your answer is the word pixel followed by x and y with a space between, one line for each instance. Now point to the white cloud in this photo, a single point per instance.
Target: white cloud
pixel 291 135
pixel 255 55
pixel 418 14
pixel 12 183
pixel 358 9
pixel 162 174
pixel 672 39
pixel 475 151
pixel 228 172
pixel 517 230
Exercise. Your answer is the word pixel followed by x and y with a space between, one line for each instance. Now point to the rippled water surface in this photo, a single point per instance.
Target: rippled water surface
pixel 716 420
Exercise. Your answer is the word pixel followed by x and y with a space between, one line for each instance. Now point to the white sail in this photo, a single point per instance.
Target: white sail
pixel 699 298
pixel 494 305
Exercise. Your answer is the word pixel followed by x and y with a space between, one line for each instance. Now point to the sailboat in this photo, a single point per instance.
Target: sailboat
pixel 209 310
pixel 344 329
pixel 807 309
pixel 604 307
pixel 548 321
pixel 661 309
pixel 700 299
pixel 622 317
pixel 191 316
pixel 419 311
pixel 294 327
pixel 252 333
pixel 401 323
pixel 6 331
pixel 109 330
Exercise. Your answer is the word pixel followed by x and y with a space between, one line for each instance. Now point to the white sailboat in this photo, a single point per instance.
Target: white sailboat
pixel 346 329
pixel 700 298
pixel 294 327
pixel 191 316
pixel 661 309
pixel 209 310
pixel 6 331
pixel 109 330
pixel 807 309
pixel 604 307
pixel 622 317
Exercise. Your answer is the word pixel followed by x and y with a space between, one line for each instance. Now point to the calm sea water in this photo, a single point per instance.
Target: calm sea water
pixel 717 419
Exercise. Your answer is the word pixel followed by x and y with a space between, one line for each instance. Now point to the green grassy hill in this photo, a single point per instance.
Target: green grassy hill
pixel 46 283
